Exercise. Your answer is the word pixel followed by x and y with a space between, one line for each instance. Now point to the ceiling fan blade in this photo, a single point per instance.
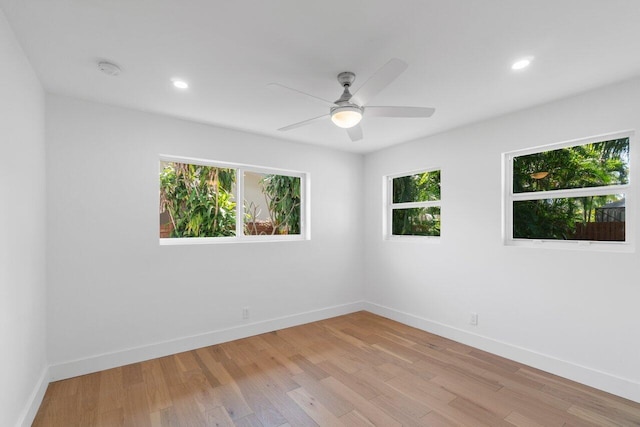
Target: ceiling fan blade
pixel 399 111
pixel 379 80
pixel 304 123
pixel 355 133
pixel 324 101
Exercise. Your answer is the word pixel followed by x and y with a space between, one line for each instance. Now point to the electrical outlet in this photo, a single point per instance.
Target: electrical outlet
pixel 473 319
pixel 245 313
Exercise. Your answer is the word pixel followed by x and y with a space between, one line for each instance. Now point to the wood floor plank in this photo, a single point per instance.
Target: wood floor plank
pixel 385 371
pixel 233 400
pixel 278 372
pixel 277 342
pixel 538 410
pixel 429 391
pixel 278 397
pixel 217 352
pixel 478 412
pixel 471 391
pixel 395 369
pixel 434 419
pixel 211 379
pixel 355 419
pixel 308 367
pixel 406 402
pixel 361 387
pixel 283 360
pixel 374 414
pixel 594 417
pixel 321 415
pixel 345 336
pixel 355 370
pixel 113 418
pixel 620 411
pixel 314 353
pixel 408 415
pixel 248 421
pixel 218 417
pixel 131 374
pixel 111 393
pixel 519 420
pixel 136 409
pixel 169 417
pixel 158 397
pixel 261 406
pixel 88 393
pixel 332 401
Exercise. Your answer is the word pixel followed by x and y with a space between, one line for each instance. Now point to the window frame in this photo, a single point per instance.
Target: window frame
pixel 389 206
pixel 240 237
pixel 509 197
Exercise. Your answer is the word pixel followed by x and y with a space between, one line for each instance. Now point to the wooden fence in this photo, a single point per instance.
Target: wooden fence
pixel 600 231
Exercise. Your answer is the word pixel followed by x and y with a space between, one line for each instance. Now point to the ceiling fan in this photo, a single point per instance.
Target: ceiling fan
pixel 347 111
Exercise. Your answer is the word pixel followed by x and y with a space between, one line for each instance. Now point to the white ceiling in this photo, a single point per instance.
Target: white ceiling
pixel 459 54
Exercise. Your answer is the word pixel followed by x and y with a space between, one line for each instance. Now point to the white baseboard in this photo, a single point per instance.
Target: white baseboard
pixel 35 400
pixel 114 359
pixel 582 374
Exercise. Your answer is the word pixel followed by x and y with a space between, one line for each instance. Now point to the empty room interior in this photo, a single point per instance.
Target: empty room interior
pixel 326 213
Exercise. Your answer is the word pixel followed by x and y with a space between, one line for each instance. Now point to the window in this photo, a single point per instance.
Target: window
pixel 199 202
pixel 576 191
pixel 413 204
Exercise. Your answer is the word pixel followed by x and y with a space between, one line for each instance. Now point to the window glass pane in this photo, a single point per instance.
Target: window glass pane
pixel 597 218
pixel 196 201
pixel 421 187
pixel 416 222
pixel 590 165
pixel 271 204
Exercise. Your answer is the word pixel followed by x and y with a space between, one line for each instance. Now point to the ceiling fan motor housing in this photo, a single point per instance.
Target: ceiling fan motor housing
pixel 346 78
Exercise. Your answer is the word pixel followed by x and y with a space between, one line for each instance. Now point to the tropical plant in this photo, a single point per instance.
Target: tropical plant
pixel 284 202
pixel 583 166
pixel 199 199
pixel 421 187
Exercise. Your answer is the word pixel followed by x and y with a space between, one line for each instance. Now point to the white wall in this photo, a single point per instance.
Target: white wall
pixel 116 295
pixel 572 312
pixel 253 193
pixel 22 245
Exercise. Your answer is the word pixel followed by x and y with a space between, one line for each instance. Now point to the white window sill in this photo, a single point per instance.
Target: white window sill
pixel 179 241
pixel 575 245
pixel 413 239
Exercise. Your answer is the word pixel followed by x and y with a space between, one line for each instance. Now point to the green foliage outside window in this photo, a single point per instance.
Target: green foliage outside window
pixel 584 166
pixel 283 198
pixel 416 221
pixel 421 187
pixel 198 199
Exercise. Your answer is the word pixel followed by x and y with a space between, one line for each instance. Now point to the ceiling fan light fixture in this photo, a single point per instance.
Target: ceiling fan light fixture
pixel 346 116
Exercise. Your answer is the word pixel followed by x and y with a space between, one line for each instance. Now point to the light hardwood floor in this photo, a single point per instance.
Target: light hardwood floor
pixel 354 370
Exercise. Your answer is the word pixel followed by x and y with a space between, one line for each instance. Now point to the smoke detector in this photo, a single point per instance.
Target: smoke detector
pixel 109 68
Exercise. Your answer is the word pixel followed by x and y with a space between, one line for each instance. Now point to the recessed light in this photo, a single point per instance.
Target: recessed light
pixel 521 63
pixel 180 84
